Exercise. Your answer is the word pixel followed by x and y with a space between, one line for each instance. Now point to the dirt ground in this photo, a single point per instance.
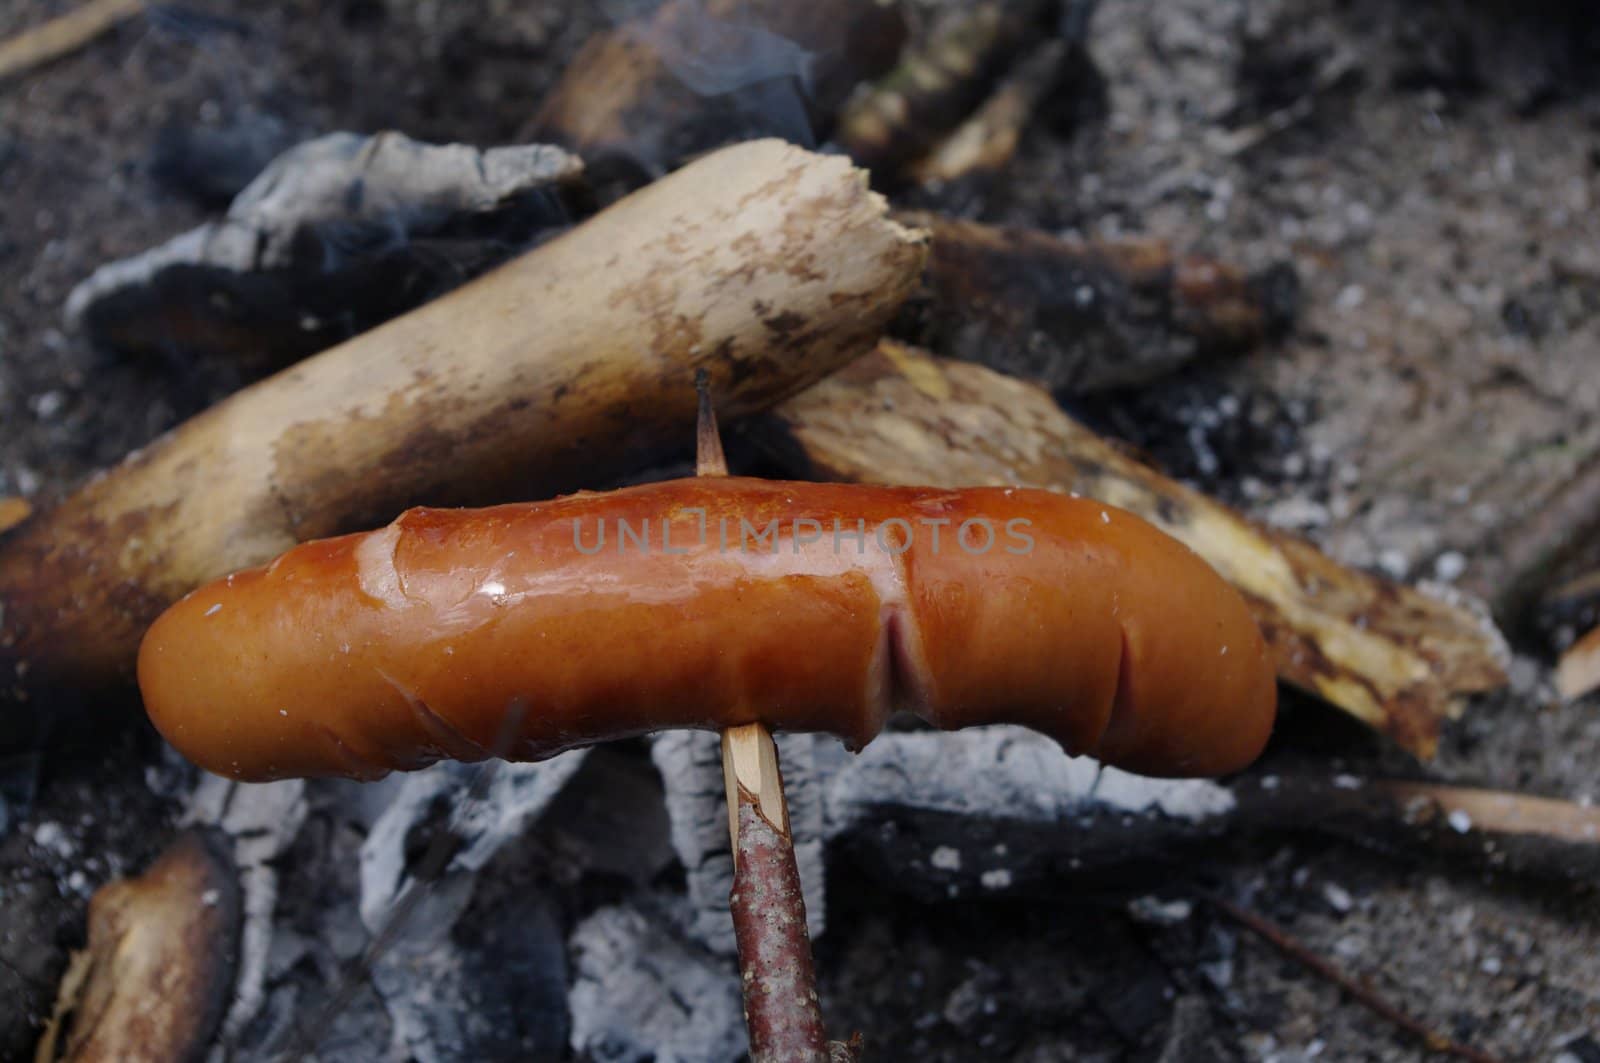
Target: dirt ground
pixel 1438 201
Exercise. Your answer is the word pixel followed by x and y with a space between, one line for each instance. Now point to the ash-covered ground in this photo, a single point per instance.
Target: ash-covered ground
pixel 1437 198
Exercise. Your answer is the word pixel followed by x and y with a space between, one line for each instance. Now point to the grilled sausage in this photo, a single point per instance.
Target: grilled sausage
pixel 523 630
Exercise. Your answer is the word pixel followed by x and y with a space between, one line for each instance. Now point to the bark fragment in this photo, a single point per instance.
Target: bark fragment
pixel 781 1008
pixel 158 970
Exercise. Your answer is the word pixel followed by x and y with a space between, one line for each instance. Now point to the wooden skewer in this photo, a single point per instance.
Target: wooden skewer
pixel 781 1009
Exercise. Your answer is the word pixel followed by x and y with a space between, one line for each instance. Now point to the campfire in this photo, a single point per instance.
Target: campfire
pixel 377 678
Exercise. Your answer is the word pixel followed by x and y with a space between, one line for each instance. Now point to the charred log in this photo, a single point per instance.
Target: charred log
pixel 1082 317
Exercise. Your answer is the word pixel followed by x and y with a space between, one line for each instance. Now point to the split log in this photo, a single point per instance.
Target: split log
pixel 764 264
pixel 1579 670
pixel 937 84
pixel 1079 316
pixel 337 235
pixel 1395 659
pixel 696 74
pixel 158 969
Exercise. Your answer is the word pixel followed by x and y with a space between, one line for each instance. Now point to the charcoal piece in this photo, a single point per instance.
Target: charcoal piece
pixel 336 235
pixel 996 811
pixel 1085 316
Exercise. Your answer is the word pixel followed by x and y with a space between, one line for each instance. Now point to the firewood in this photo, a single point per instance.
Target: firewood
pixel 1081 316
pixel 1579 670
pixel 1395 659
pixel 898 119
pixel 764 264
pixel 158 969
pixel 696 74
pixel 985 143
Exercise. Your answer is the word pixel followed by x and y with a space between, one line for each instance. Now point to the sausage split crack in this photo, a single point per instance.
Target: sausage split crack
pixel 524 630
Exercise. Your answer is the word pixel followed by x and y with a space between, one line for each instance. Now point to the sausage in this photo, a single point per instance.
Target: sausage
pixel 524 630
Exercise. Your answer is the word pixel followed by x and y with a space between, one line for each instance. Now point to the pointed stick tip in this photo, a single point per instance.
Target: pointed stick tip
pixel 709 458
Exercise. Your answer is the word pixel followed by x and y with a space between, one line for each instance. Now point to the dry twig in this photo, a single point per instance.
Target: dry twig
pixel 1358 989
pixel 1579 670
pixel 63 35
pixel 13 511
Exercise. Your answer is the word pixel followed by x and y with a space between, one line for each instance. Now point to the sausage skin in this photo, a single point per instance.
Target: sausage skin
pixel 523 630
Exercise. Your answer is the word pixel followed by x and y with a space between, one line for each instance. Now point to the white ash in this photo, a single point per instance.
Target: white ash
pixel 51 837
pixel 514 798
pixel 643 993
pixel 690 763
pixel 1007 772
pixel 386 178
pixel 1494 639
pixel 429 986
pixel 1153 911
pixel 263 820
pixel 1338 898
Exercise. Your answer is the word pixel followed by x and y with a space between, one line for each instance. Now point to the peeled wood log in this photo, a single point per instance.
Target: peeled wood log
pixel 1395 659
pixel 696 74
pixel 1081 316
pixel 766 265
